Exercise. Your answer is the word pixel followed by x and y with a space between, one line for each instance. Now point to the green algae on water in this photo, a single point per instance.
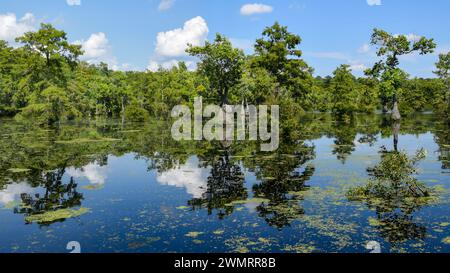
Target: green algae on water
pixel 194 234
pixel 18 170
pixel 86 140
pixel 446 240
pixel 57 215
pixel 93 187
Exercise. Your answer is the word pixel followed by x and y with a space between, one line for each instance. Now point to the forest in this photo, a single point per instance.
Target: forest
pixel 44 81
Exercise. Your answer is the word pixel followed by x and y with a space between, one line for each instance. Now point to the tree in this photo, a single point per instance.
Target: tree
pixel 390 48
pixel 53 45
pixel 443 72
pixel 343 92
pixel 220 63
pixel 51 106
pixel 277 52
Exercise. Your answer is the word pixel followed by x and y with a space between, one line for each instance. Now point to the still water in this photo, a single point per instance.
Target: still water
pixel 116 187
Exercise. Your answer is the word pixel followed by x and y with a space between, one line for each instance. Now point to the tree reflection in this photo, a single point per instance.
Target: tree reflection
pixel 395 195
pixel 281 179
pixel 225 184
pixel 56 195
pixel 344 143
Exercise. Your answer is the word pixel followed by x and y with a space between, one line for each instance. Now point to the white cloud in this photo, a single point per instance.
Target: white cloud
pixel 413 37
pixel 73 2
pixel 97 49
pixel 245 44
pixel 96 46
pixel 250 9
pixel 95 173
pixel 374 2
pixel 358 67
pixel 155 65
pixel 365 48
pixel 171 45
pixel 165 4
pixel 12 192
pixel 188 176
pixel 11 28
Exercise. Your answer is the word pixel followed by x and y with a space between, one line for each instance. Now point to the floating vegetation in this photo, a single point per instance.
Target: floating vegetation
pixel 194 234
pixel 374 222
pixel 248 201
pixel 18 170
pixel 241 244
pixel 219 232
pixel 130 131
pixel 143 243
pixel 57 215
pixel 86 140
pixel 299 248
pixel 446 240
pixel 93 187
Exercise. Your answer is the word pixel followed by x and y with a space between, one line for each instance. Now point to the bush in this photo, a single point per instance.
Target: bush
pixel 135 113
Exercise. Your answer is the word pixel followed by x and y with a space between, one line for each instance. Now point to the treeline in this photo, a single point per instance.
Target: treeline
pixel 44 81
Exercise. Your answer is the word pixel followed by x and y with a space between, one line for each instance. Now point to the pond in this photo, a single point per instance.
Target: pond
pixel 117 187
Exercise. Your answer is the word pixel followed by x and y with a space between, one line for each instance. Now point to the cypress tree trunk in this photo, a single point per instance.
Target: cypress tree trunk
pixel 395 132
pixel 395 111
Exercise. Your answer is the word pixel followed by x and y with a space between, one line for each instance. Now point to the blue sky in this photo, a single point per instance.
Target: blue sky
pixel 138 34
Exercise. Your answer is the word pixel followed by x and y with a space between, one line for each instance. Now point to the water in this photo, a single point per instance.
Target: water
pixel 131 188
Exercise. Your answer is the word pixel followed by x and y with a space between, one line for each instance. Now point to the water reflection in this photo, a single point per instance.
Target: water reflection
pixel 94 172
pixel 10 195
pixel 283 174
pixel 225 183
pixel 395 194
pixel 56 195
pixel 189 176
pixel 40 170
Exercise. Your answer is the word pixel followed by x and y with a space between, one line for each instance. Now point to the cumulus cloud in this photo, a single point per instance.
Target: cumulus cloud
pixel 73 2
pixel 155 65
pixel 93 172
pixel 11 28
pixel 365 48
pixel 12 192
pixel 250 9
pixel 188 176
pixel 358 67
pixel 96 46
pixel 374 2
pixel 165 4
pixel 171 45
pixel 413 37
pixel 97 49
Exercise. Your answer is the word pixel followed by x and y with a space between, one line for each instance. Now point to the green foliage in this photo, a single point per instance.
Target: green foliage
pixel 220 63
pixel 135 113
pixel 256 86
pixel 51 106
pixel 390 48
pixel 44 81
pixel 443 72
pixel 277 52
pixel 343 92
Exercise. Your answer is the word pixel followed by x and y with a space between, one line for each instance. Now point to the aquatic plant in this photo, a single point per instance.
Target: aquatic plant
pixel 56 215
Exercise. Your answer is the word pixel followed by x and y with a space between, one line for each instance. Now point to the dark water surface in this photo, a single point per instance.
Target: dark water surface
pixel 131 188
